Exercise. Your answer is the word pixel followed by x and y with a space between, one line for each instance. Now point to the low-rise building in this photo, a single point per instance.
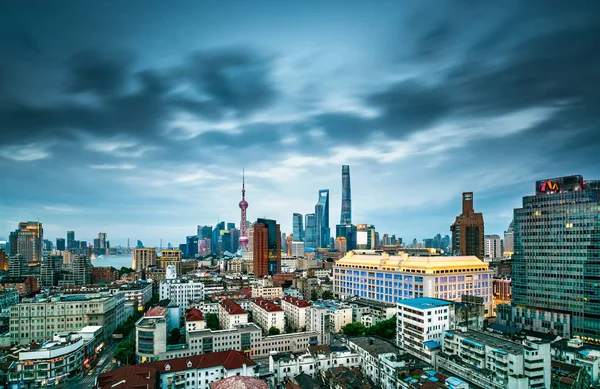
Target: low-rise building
pixel 291 343
pixel 340 314
pixel 37 320
pixel 151 335
pixel 268 292
pixel 231 314
pixel 104 274
pixel 495 363
pixel 25 285
pixel 57 361
pixel 373 311
pixel 576 352
pixel 318 320
pixel 567 376
pixel 139 291
pixel 8 298
pixel 194 320
pixel 181 290
pixel 295 312
pixel 195 371
pixel 267 314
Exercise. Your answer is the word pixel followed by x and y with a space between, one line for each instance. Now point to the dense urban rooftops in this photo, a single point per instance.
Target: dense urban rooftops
pixel 375 346
pixel 267 305
pixel 232 307
pixel 482 339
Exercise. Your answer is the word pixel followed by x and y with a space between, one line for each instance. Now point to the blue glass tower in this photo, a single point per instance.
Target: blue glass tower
pixel 322 219
pixel 346 216
pixel 298 228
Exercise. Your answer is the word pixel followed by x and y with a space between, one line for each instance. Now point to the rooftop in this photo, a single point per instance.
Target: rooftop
pixel 267 305
pixel 230 359
pixel 481 338
pixel 128 377
pixel 296 301
pixel 377 260
pixel 239 383
pixel 329 305
pixel 232 307
pixel 156 312
pixel 424 303
pixel 370 303
pixel 374 346
pixel 193 314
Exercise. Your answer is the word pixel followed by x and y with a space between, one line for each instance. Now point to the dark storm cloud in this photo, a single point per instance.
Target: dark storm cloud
pixel 92 72
pixel 235 80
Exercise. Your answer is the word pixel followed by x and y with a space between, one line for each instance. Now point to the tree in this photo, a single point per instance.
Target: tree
pixel 274 331
pixel 354 329
pixel 174 336
pixel 125 352
pixel 212 321
pixel 125 270
pixel 385 329
pixel 313 295
pixel 327 295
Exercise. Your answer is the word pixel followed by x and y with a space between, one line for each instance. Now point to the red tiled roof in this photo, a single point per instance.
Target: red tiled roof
pixel 193 314
pixel 230 359
pixel 297 302
pixel 267 305
pixel 232 307
pixel 128 377
pixel 156 311
pixel 247 292
pixel 239 383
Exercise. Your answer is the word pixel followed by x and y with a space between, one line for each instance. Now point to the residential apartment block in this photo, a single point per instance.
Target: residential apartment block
pixel 181 290
pixel 295 312
pixel 231 314
pixel 267 314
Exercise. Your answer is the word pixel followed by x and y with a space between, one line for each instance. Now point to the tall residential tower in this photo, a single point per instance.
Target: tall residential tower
pixel 467 230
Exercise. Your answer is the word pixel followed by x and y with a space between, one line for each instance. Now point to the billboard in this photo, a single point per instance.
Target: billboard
pixel 361 237
pixel 559 185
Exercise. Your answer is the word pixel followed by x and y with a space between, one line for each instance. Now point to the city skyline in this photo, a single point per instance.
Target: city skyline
pixel 141 131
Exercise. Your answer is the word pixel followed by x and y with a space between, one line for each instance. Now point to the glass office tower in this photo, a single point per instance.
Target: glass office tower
pixel 556 263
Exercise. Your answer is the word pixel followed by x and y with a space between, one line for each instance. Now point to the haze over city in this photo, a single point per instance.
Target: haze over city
pixel 137 120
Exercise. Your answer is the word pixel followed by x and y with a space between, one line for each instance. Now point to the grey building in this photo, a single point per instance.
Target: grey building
pixel 298 228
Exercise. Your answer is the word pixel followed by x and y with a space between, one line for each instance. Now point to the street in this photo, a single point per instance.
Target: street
pixel 104 364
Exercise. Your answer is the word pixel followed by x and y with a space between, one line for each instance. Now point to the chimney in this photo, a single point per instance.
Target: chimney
pixel 467 203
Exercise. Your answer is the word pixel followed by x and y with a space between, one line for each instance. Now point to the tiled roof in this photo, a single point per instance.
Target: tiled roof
pixel 296 301
pixel 128 377
pixel 267 305
pixel 232 307
pixel 239 383
pixel 230 359
pixel 193 314
pixel 156 311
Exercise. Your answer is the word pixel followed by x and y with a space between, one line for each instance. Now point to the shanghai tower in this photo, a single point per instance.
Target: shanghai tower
pixel 346 217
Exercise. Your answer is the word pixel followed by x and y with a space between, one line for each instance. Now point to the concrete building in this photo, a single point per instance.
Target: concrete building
pixel 266 248
pixel 297 249
pixel 151 335
pixel 576 352
pixel 498 363
pixel 143 258
pixel 27 241
pixel 390 278
pixel 292 343
pixel 268 292
pixel 104 275
pixel 493 247
pixel 37 320
pixel 371 311
pixel 181 290
pixel 231 314
pixel 295 312
pixel 58 361
pixel 421 326
pixel 318 319
pixel 170 258
pixel 339 314
pixel 194 320
pixel 267 314
pixel 8 298
pixel 141 292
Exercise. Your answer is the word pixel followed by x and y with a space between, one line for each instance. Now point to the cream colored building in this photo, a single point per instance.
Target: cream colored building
pixel 37 320
pixel 268 292
pixel 170 257
pixel 231 314
pixel 295 312
pixel 143 258
pixel 267 314
pixel 339 314
pixel 390 278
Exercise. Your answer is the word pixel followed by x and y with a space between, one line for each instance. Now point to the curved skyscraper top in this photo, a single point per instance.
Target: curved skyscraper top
pixel 346 217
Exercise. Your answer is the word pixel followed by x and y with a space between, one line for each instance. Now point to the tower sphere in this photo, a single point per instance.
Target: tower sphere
pixel 243 204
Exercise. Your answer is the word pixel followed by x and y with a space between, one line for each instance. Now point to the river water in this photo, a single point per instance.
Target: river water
pixel 116 261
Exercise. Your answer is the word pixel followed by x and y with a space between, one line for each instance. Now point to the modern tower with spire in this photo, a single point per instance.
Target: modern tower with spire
pixel 346 216
pixel 243 240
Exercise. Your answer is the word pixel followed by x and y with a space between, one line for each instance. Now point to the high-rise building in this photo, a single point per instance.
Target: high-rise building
pixel 346 215
pixel 60 244
pixel 322 219
pixel 493 247
pixel 556 262
pixel 71 240
pixel 191 245
pixel 509 240
pixel 17 265
pixel 310 237
pixel 142 258
pixel 3 260
pixel 467 230
pixel 365 237
pixel 298 228
pixel 348 232
pixel 27 241
pixel 82 270
pixel 267 248
pixel 49 270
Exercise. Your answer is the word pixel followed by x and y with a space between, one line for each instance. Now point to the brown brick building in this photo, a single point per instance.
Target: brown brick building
pixel 104 275
pixel 26 286
pixel 467 230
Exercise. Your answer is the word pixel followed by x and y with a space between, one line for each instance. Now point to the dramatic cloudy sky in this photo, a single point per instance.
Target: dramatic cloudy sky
pixel 136 117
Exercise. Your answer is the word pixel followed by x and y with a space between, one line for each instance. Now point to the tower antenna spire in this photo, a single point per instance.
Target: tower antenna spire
pixel 243 240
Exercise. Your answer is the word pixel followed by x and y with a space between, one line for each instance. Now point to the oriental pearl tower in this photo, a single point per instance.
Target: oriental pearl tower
pixel 243 240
